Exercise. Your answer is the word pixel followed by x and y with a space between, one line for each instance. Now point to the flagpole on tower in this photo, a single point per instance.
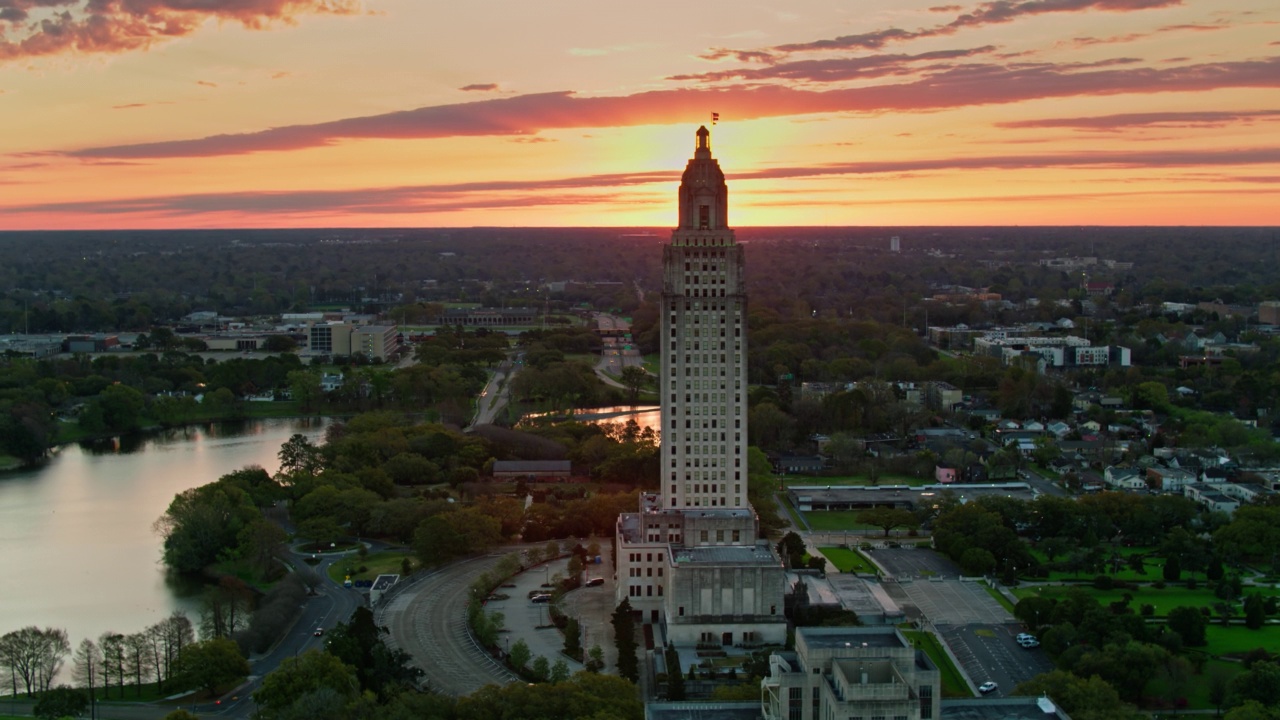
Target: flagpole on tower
pixel 715 118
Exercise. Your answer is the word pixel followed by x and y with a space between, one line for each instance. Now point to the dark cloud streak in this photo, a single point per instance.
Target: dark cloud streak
pixel 961 86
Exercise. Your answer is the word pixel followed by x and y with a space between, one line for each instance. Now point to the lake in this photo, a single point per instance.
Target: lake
pixel 644 415
pixel 77 549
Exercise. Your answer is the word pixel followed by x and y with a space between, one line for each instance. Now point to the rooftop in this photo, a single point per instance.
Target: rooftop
pixel 724 555
pixel 702 711
pixel 1009 708
pixel 820 638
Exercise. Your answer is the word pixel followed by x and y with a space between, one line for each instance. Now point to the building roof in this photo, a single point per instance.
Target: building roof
pixel 382 582
pixel 1005 708
pixel 827 638
pixel 724 555
pixel 702 711
pixel 564 466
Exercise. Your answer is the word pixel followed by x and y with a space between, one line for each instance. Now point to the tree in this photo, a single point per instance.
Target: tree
pixel 305 676
pixel 540 669
pixel 595 659
pixel 60 702
pixel 211 664
pixel 304 387
pixel 1172 569
pixel 572 638
pixel 675 675
pixel 520 655
pixel 1190 624
pixel 1260 683
pixel 360 643
pixel 1036 612
pixel 87 667
pixel 112 646
pixel 887 518
pixel 299 457
pixel 624 637
pixel 1255 611
pixel 559 671
pixel 1083 699
pixel 633 377
pixel 34 655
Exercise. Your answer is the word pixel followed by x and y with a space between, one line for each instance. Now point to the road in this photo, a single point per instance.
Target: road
pixel 494 396
pixel 332 604
pixel 427 619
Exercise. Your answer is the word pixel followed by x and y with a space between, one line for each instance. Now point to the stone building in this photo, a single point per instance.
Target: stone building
pixel 689 560
pixel 843 672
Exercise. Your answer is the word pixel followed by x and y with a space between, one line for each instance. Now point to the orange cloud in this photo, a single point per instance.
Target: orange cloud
pixel 479 87
pixel 30 28
pixel 988 13
pixel 953 87
pixel 1121 121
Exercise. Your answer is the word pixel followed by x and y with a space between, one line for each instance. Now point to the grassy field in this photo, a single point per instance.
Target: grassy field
pixel 9 462
pixel 840 520
pixel 1163 600
pixel 1154 567
pixel 375 564
pixel 953 684
pixel 1196 691
pixel 848 560
pixel 1238 639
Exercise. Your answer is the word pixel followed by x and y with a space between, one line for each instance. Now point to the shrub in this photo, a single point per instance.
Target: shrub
pixel 1103 582
pixel 1147 609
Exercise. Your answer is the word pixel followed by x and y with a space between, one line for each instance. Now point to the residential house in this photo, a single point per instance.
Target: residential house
pixel 1124 478
pixel 1211 497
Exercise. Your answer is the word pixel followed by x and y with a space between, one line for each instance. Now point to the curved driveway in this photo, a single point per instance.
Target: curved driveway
pixel 428 620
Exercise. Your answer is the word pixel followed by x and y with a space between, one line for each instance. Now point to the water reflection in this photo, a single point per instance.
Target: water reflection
pixel 646 416
pixel 77 549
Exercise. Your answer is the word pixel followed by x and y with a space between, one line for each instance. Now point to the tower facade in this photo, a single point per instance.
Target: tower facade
pixel 704 346
pixel 689 560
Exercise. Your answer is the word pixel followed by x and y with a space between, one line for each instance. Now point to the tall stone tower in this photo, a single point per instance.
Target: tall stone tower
pixel 704 346
pixel 689 561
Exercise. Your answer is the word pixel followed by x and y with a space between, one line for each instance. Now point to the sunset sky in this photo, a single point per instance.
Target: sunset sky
pixel 420 113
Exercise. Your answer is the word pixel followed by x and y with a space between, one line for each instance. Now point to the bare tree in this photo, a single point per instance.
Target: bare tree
pixel 138 658
pixel 179 633
pixel 87 670
pixel 34 655
pixel 112 646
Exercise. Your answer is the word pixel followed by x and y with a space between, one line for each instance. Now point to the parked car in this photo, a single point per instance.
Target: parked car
pixel 1029 643
pixel 595 581
pixel 987 687
pixel 319 631
pixel 540 598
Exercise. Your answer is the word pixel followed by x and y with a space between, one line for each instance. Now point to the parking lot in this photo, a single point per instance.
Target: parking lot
pixel 990 652
pixel 975 626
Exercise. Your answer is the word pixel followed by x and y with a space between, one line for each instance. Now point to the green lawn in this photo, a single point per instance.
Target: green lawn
pixel 1154 567
pixel 840 520
pixel 9 462
pixel 1164 600
pixel 848 560
pixel 382 563
pixel 953 684
pixel 1238 639
pixel 1196 691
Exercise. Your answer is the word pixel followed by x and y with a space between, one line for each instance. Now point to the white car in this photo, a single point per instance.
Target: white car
pixel 987 687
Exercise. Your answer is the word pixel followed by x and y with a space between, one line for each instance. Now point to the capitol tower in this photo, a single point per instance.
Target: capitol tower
pixel 689 561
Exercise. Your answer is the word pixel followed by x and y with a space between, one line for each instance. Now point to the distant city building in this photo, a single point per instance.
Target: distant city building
pixel 488 317
pixel 1269 312
pixel 343 339
pixel 895 244
pixel 689 561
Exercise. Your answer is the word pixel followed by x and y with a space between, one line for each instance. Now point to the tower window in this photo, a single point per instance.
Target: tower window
pixel 704 217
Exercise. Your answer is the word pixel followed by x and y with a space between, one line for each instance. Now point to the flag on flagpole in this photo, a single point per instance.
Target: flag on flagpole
pixel 715 118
